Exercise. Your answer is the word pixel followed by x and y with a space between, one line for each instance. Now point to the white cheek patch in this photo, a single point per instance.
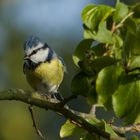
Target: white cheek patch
pixel 40 56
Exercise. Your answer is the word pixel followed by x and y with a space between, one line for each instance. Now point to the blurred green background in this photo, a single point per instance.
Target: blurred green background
pixel 59 24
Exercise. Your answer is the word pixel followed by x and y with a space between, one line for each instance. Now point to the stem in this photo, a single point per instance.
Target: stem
pixel 34 124
pixel 123 20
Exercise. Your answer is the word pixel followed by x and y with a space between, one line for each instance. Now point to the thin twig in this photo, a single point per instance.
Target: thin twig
pixel 123 130
pixel 93 110
pixel 124 19
pixel 34 124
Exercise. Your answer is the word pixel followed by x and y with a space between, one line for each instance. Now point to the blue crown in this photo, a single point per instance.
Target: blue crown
pixel 32 41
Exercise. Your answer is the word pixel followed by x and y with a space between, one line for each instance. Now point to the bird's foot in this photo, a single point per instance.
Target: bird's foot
pixel 57 96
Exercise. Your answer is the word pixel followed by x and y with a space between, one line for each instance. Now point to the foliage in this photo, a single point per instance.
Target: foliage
pixel 108 60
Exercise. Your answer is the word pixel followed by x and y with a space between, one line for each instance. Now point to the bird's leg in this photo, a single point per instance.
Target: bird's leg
pixel 56 95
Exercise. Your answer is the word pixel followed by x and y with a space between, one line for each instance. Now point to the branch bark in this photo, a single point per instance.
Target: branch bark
pixel 42 102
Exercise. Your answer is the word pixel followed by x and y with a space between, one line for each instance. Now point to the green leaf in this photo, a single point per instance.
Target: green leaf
pixel 92 97
pixel 136 9
pixel 88 34
pixel 92 66
pixel 137 120
pixel 136 44
pixel 90 137
pixel 134 138
pixel 121 11
pixel 69 129
pixel 99 49
pixel 128 44
pixel 109 129
pixel 87 68
pixel 134 62
pixel 87 15
pixel 133 116
pixel 131 45
pixel 81 84
pixel 103 35
pixel 116 49
pixel 131 25
pixel 103 62
pixel 81 49
pixel 106 84
pixel 92 15
pixel 127 97
pixel 118 41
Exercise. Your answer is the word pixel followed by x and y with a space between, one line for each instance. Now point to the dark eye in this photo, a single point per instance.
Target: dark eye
pixel 34 52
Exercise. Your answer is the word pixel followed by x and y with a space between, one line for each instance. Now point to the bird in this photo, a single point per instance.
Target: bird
pixel 43 68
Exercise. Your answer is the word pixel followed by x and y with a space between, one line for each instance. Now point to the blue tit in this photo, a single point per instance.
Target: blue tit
pixel 43 68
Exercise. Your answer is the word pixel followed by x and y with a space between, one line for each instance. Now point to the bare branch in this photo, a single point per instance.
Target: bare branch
pixel 81 119
pixel 35 125
pixel 40 101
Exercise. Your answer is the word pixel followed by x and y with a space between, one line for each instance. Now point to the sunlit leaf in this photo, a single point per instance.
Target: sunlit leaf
pixel 134 62
pixel 120 12
pixel 103 35
pixel 69 129
pixel 92 15
pixel 118 41
pixel 88 34
pixel 137 120
pixel 109 129
pixel 116 49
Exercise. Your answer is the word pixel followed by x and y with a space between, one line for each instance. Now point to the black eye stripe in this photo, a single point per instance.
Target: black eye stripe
pixel 36 50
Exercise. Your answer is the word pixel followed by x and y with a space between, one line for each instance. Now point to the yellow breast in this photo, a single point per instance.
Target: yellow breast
pixel 47 73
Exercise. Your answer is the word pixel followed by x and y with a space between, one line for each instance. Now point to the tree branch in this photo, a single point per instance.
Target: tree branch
pixel 79 118
pixel 34 124
pixel 41 101
pixel 123 130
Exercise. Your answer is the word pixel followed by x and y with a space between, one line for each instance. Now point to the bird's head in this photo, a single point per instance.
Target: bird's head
pixel 37 51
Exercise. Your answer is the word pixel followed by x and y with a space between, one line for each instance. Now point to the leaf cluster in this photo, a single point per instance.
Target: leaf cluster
pixel 108 61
